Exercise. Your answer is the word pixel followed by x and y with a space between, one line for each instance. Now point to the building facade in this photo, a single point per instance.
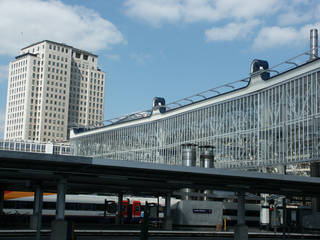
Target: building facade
pixel 52 87
pixel 268 121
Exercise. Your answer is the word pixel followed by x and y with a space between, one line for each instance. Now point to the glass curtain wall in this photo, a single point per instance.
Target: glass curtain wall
pixel 277 125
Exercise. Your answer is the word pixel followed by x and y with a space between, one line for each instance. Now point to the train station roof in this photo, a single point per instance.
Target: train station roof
pixel 21 171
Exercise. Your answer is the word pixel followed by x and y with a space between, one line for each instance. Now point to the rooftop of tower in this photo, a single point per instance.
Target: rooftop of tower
pixel 61 44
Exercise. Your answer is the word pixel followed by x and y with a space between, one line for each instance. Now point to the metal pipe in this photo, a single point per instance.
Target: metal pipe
pixel 313 44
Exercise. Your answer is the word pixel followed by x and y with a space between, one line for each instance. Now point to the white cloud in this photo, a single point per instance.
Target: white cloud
pixel 141 59
pixel 154 12
pixel 157 12
pixel 271 37
pixel 234 19
pixel 24 22
pixel 231 31
pixel 3 73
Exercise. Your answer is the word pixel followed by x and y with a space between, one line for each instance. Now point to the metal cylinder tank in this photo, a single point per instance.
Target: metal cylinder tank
pixel 189 158
pixel 206 161
pixel 313 44
pixel 206 156
pixel 264 213
pixel 189 155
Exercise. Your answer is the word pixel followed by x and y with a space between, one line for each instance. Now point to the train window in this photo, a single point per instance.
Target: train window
pixel 137 208
pixel 124 208
pixel 49 205
pixel 9 204
pixel 99 207
pixel 23 205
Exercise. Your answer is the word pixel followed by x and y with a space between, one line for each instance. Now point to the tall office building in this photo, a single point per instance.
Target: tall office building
pixel 52 87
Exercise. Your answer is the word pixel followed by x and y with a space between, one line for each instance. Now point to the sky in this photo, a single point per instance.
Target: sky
pixel 164 48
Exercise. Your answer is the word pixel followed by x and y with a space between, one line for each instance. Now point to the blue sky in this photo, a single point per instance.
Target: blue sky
pixel 167 48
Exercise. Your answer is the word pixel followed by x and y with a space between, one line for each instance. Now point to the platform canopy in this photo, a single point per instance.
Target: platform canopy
pixel 23 171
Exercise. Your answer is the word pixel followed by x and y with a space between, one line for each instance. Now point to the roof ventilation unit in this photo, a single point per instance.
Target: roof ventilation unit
pixel 313 44
pixel 159 104
pixel 260 65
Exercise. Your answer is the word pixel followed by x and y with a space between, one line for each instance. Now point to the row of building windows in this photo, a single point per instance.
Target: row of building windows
pixel 84 56
pixel 38 61
pixel 17 78
pixel 16 108
pixel 54 128
pixel 53 56
pixel 56 70
pixel 35 48
pixel 57 77
pixel 54 121
pixel 55 109
pixel 58 64
pixel 17 90
pixel 19 64
pixel 77 72
pixel 17 96
pixel 17 117
pixel 15 102
pixel 55 96
pixel 58 48
pixel 18 70
pixel 56 90
pixel 16 134
pixel 55 115
pixel 59 103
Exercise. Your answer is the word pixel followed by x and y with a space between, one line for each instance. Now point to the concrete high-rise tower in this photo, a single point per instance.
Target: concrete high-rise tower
pixel 52 87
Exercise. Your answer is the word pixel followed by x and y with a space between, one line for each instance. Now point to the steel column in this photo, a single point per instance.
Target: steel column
pixel 119 209
pixel 1 201
pixel 61 199
pixel 168 206
pixel 241 208
pixel 37 210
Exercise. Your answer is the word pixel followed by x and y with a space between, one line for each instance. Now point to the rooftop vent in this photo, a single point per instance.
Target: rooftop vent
pixel 159 103
pixel 313 44
pixel 260 65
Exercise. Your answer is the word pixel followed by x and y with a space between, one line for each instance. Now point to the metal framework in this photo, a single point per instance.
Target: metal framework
pixel 273 124
pixel 36 147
